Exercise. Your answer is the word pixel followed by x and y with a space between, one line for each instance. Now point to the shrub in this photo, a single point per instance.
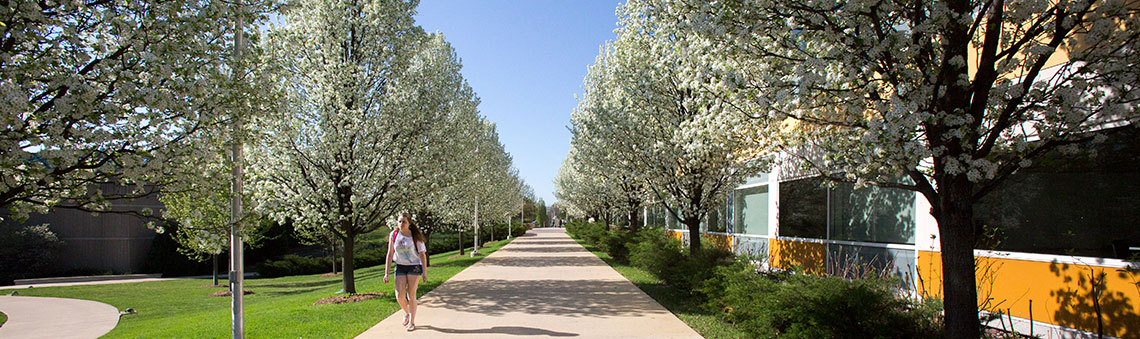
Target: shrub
pixel 591 232
pixel 807 306
pixel 26 252
pixel 616 243
pixel 665 258
pixel 292 264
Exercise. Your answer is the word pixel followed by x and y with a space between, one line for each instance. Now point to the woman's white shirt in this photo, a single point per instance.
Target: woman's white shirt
pixel 405 253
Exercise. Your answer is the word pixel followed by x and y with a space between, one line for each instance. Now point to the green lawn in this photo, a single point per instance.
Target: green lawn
pixel 678 302
pixel 3 318
pixel 279 307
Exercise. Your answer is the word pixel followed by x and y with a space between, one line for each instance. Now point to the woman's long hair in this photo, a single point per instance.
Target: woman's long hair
pixel 416 234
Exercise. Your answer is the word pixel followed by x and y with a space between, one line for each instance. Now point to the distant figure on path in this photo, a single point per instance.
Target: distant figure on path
pixel 406 247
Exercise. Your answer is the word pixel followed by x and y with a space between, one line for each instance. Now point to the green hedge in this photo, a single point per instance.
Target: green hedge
pixel 784 304
pixel 795 305
pixel 26 252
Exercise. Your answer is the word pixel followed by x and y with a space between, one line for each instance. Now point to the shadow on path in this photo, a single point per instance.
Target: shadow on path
pixel 544 261
pixel 570 298
pixel 558 249
pixel 511 330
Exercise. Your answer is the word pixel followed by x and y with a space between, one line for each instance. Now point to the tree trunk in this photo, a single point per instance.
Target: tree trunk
pixel 460 241
pixel 333 253
pixel 633 216
pixel 348 277
pixel 215 256
pixel 955 224
pixel 694 225
pixel 427 245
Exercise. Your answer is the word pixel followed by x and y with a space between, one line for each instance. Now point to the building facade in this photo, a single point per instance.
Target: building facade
pixel 1058 241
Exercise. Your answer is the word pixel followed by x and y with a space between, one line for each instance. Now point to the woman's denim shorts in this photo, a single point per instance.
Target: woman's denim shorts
pixel 409 270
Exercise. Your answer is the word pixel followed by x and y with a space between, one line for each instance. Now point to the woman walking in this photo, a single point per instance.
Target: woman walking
pixel 406 247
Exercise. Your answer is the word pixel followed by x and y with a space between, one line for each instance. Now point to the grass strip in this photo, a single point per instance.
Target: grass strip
pixel 3 318
pixel 280 307
pixel 684 306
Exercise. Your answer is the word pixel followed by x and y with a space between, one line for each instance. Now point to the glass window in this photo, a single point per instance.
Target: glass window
pixel 1070 204
pixel 715 221
pixel 872 214
pixel 759 178
pixel 803 208
pixel 751 208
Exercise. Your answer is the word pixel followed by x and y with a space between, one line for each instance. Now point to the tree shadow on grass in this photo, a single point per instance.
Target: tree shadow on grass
pixel 319 283
pixel 292 291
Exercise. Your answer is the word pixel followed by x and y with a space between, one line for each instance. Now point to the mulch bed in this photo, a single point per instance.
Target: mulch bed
pixel 340 299
pixel 213 286
pixel 226 293
pixel 326 275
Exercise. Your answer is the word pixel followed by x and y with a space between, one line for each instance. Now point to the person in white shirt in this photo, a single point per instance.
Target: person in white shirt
pixel 406 247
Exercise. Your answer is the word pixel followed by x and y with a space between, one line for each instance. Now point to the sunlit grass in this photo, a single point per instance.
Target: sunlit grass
pixel 280 307
pixel 679 302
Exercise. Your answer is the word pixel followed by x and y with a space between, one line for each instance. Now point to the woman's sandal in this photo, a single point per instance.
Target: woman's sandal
pixel 406 319
pixel 411 327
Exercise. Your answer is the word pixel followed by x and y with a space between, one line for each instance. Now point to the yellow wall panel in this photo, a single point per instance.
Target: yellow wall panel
pixel 1062 294
pixel 723 242
pixel 786 253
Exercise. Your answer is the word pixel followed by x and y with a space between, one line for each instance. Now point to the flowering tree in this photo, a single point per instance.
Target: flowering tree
pixel 621 182
pixel 370 98
pixel 663 126
pixel 582 195
pixel 954 95
pixel 105 92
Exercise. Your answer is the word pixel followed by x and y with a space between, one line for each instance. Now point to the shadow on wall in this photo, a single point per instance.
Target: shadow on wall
pixel 1096 299
pixel 810 256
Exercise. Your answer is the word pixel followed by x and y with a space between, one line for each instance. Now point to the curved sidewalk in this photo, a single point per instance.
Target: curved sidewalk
pixel 45 317
pixel 541 284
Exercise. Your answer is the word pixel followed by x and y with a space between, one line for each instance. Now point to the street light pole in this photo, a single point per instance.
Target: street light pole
pixel 237 263
pixel 475 248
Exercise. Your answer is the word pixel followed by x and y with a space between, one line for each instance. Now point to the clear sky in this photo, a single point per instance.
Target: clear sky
pixel 526 60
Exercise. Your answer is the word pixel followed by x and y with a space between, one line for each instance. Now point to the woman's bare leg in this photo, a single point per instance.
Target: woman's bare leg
pixel 401 293
pixel 413 282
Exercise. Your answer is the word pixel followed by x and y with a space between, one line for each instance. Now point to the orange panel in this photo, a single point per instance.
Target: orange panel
pixel 1062 294
pixel 809 255
pixel 723 242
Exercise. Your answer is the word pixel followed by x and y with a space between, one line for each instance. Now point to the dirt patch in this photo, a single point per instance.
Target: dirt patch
pixel 327 275
pixel 213 286
pixel 341 299
pixel 227 293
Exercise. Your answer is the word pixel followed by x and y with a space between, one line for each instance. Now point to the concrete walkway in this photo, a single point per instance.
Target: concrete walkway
pixel 44 317
pixel 541 284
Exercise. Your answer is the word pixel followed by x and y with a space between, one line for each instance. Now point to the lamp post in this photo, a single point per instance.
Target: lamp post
pixel 237 263
pixel 475 247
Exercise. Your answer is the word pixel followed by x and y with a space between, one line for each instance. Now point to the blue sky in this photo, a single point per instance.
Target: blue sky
pixel 526 60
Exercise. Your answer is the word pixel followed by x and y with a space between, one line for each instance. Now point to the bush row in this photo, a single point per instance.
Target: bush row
pixel 370 251
pixel 769 304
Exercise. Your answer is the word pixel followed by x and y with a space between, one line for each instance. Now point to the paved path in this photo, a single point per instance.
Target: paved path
pixel 541 284
pixel 44 317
